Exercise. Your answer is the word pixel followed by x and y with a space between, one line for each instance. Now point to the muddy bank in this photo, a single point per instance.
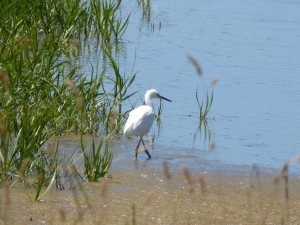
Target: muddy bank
pixel 149 196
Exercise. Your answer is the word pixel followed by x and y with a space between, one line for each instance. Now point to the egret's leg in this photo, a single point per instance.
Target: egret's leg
pixel 137 148
pixel 149 156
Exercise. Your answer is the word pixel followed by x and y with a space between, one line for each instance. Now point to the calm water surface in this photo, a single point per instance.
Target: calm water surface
pixel 252 47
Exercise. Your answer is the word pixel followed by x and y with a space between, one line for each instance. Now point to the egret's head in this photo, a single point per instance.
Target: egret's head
pixel 152 93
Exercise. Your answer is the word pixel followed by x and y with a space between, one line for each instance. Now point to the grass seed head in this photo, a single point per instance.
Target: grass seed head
pixel 149 198
pixel 214 81
pixel 187 175
pixel 5 79
pixel 166 170
pixel 113 116
pixel 50 149
pixel 75 92
pixel 212 145
pixel 2 127
pixel 283 175
pixel 284 170
pixel 189 179
pixel 195 64
pixel 104 187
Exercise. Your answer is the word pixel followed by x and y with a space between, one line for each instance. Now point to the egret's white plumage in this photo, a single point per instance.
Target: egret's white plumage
pixel 140 119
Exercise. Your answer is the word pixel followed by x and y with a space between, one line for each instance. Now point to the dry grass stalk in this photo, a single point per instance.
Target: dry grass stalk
pixel 50 149
pixel 104 188
pixel 284 176
pixel 113 116
pixel 189 179
pixel 203 185
pixel 133 211
pixel 195 64
pixel 187 175
pixel 149 198
pixel 80 211
pixel 63 216
pixel 166 170
pixel 23 169
pixel 5 206
pixel 75 91
pixel 5 79
pixel 255 177
pixel 2 127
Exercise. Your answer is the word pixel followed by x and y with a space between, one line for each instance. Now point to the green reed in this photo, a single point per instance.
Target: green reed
pixel 97 160
pixel 119 93
pixel 159 110
pixel 110 25
pixel 145 6
pixel 204 106
pixel 204 131
pixel 46 168
pixel 158 119
pixel 43 92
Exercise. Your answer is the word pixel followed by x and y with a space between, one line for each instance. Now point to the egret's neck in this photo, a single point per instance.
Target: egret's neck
pixel 148 101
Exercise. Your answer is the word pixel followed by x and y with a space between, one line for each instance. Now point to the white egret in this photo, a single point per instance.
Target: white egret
pixel 140 119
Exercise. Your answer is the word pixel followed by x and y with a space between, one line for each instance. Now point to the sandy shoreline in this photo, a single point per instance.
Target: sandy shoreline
pixel 158 197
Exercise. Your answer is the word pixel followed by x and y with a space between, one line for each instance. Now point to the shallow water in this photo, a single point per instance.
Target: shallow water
pixel 252 47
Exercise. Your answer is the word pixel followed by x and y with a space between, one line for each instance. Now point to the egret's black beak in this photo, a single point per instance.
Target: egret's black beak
pixel 162 97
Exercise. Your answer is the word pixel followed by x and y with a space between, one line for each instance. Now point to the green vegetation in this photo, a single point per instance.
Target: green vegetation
pixel 44 93
pixel 204 108
pixel 97 160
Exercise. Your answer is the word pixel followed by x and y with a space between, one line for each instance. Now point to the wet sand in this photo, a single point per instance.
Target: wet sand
pixel 158 197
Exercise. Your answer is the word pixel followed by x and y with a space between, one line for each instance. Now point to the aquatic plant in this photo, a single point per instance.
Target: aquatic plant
pixel 119 94
pixel 158 122
pixel 204 107
pixel 45 168
pixel 110 26
pixel 43 91
pixel 97 160
pixel 204 132
pixel 159 110
pixel 145 6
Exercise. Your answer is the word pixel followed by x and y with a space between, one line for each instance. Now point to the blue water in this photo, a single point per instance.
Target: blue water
pixel 252 47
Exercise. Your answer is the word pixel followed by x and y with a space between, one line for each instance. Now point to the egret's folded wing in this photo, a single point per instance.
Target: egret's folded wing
pixel 139 121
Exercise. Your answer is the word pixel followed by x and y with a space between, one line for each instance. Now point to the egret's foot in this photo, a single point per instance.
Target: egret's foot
pixel 149 156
